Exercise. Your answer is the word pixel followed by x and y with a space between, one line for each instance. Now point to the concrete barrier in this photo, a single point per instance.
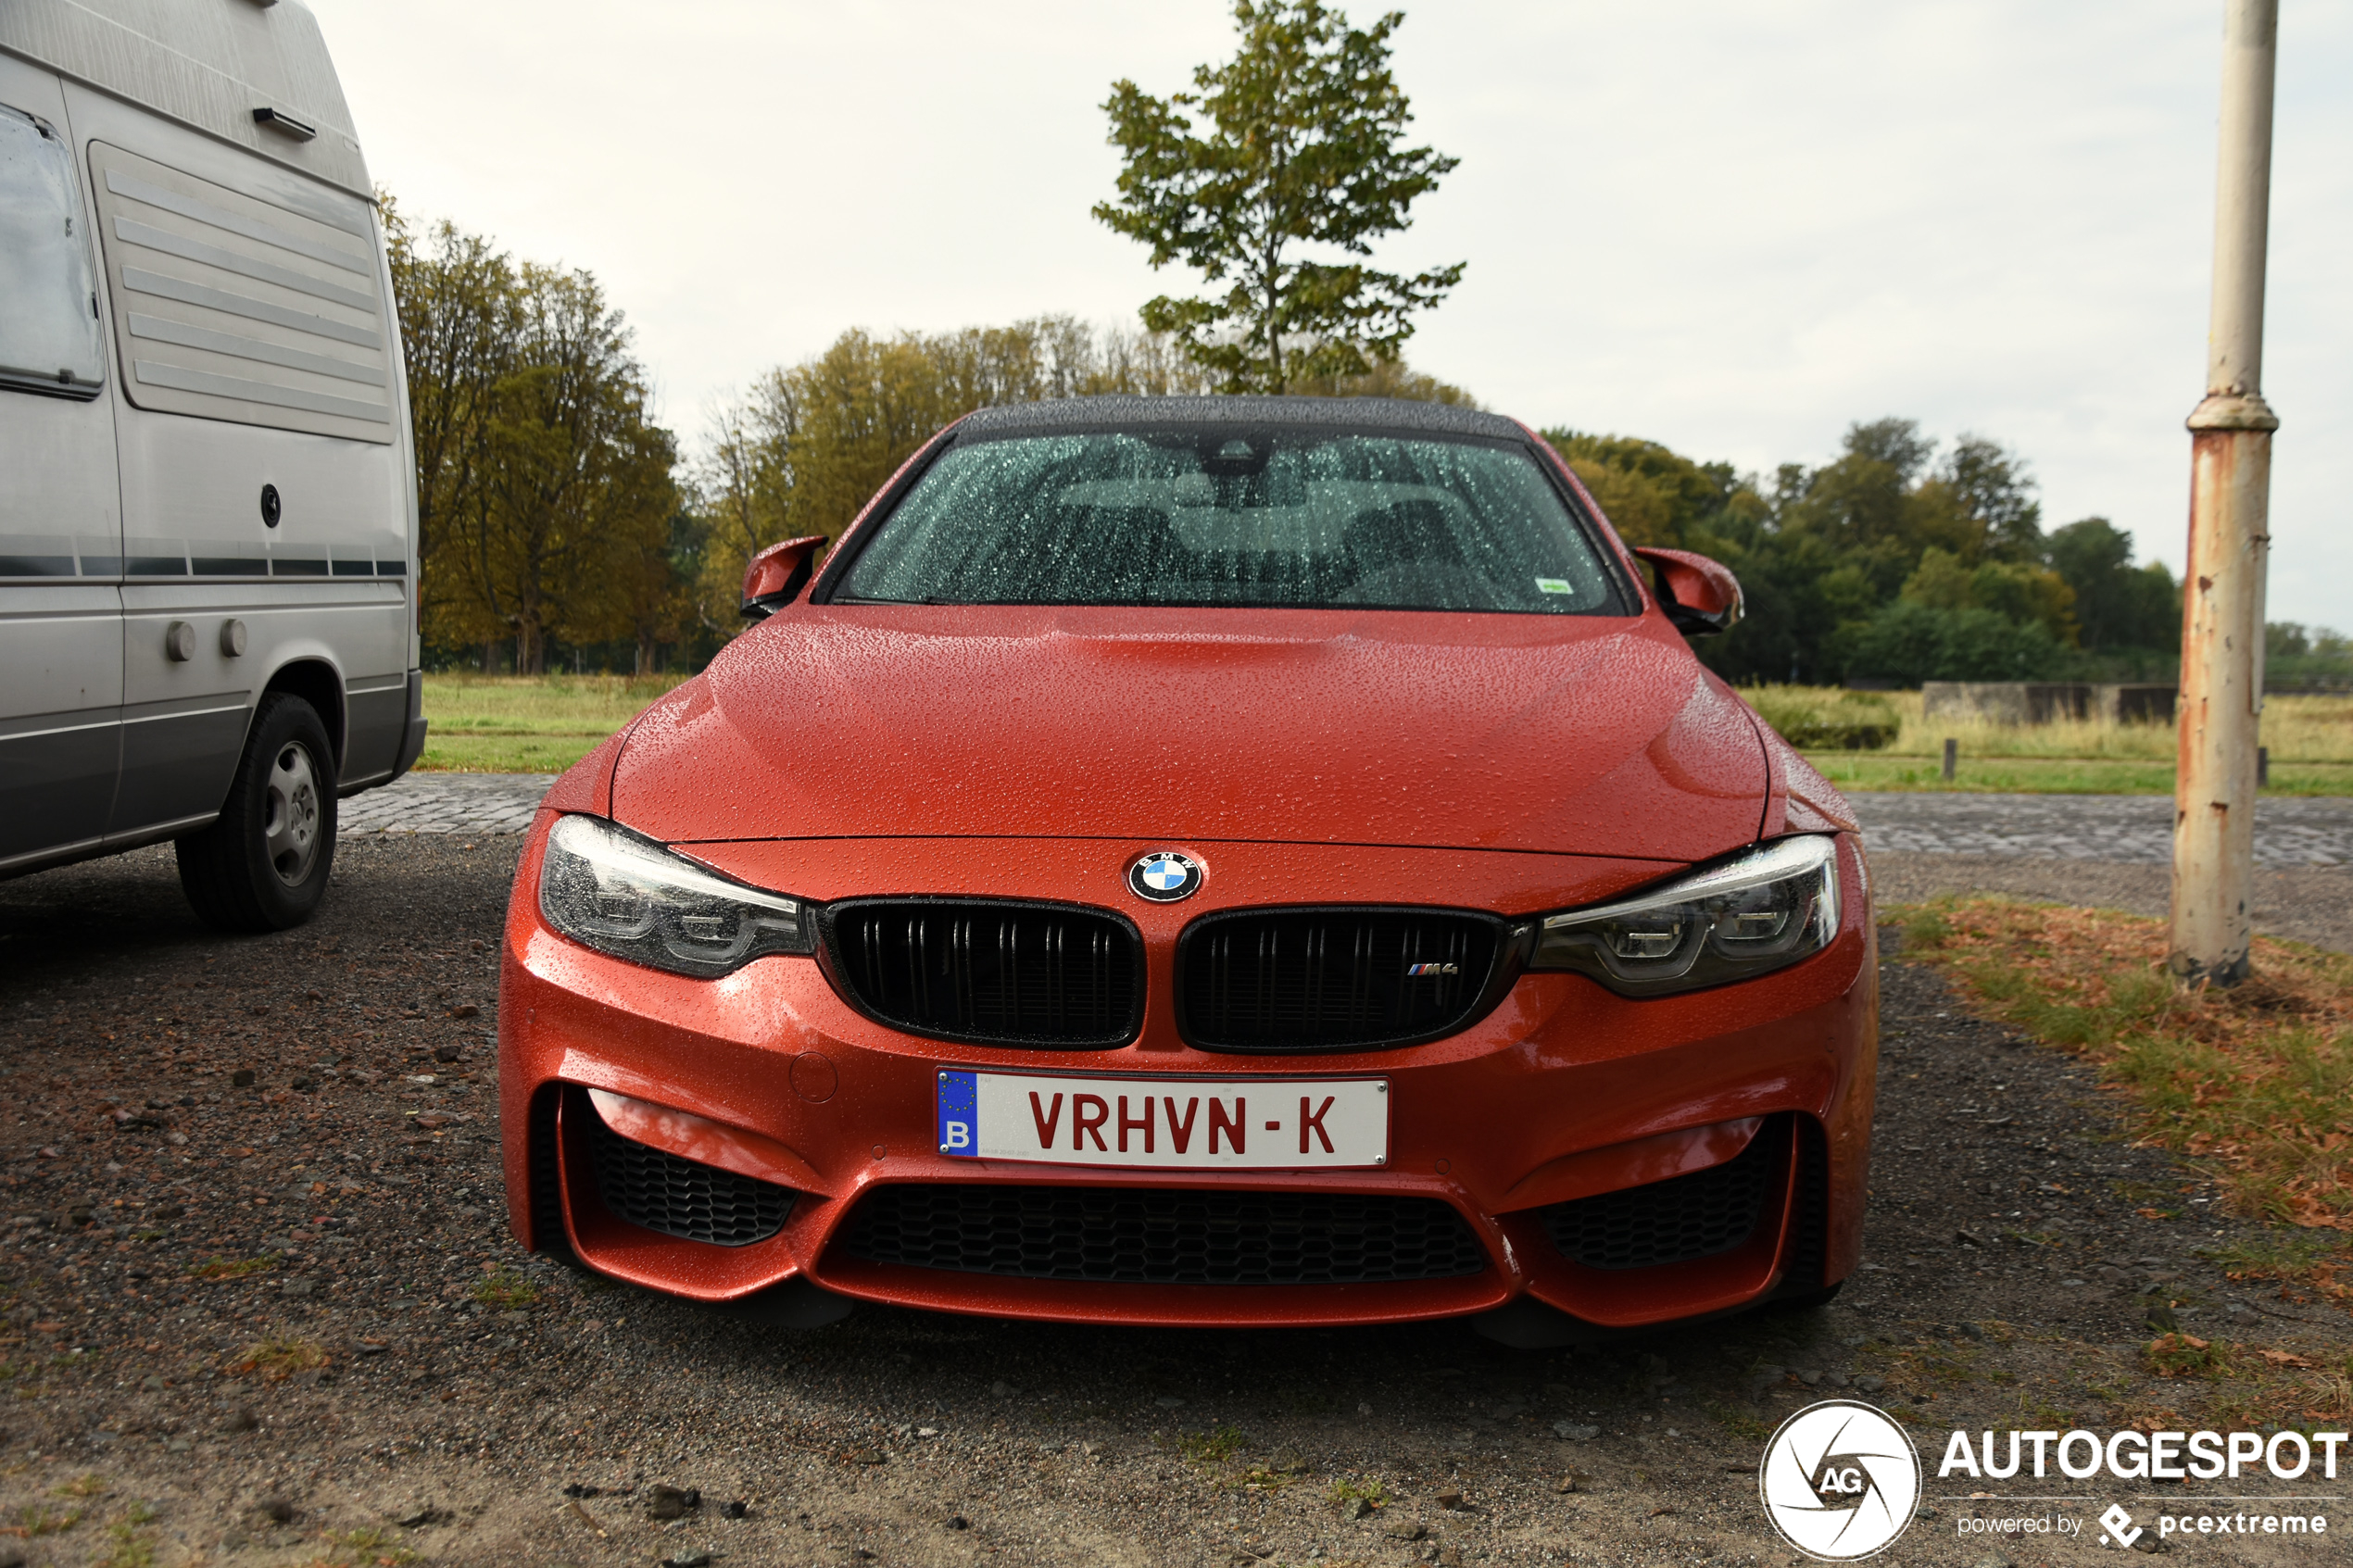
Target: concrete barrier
pixel 2139 703
pixel 2042 702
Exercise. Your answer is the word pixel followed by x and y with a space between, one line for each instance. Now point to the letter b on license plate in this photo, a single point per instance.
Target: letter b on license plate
pixel 1247 1125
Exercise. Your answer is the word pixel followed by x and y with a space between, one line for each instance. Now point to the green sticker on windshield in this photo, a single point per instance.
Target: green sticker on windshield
pixel 1554 585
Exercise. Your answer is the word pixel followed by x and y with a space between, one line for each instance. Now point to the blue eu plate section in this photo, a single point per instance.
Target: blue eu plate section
pixel 960 1115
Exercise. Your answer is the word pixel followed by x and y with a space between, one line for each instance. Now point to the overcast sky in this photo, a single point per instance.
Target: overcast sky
pixel 1735 228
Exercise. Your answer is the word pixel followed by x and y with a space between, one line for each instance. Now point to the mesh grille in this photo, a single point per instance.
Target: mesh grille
pixel 658 1190
pixel 1671 1222
pixel 1144 1236
pixel 547 1176
pixel 1032 974
pixel 1809 1245
pixel 1324 979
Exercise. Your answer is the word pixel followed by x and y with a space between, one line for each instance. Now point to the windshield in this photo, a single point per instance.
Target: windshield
pixel 1295 518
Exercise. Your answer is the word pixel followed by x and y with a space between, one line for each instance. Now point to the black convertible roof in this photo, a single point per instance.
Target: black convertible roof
pixel 1159 413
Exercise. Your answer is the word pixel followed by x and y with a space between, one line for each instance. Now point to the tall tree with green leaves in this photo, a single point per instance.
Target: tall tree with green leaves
pixel 460 321
pixel 1282 156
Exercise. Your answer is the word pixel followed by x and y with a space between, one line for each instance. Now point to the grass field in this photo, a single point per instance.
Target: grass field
pixel 507 724
pixel 2310 740
pixel 511 724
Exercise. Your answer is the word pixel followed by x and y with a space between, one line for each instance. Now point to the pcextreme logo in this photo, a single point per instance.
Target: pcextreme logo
pixel 1840 1480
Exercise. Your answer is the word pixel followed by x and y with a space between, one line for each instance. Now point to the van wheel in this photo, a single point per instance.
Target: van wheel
pixel 263 864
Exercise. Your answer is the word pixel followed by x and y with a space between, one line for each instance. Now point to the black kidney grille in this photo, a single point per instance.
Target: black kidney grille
pixel 658 1190
pixel 1671 1222
pixel 1150 1236
pixel 1033 974
pixel 1322 979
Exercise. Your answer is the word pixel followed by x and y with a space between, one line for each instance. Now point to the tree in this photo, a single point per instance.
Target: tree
pixel 2014 590
pixel 1652 494
pixel 1990 486
pixel 643 588
pixel 546 504
pixel 568 483
pixel 1293 144
pixel 1891 559
pixel 2119 605
pixel 1908 641
pixel 456 299
pixel 744 493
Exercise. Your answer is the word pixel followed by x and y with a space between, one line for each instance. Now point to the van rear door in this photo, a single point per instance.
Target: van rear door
pixel 60 515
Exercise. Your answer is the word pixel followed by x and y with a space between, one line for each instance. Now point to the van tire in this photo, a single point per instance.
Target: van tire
pixel 263 863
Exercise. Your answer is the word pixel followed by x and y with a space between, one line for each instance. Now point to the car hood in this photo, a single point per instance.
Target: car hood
pixel 1568 735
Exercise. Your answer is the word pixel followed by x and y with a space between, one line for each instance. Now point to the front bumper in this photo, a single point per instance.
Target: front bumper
pixel 1563 1092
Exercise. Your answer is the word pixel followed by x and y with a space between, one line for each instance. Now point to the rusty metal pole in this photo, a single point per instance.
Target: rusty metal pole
pixel 2230 495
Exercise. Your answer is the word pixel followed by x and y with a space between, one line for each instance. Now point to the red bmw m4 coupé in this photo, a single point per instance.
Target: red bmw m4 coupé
pixel 1210 862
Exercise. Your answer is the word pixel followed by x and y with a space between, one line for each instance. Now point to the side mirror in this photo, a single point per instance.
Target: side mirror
pixel 1698 595
pixel 777 574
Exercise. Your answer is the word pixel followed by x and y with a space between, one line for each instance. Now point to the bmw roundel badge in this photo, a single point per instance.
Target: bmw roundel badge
pixel 1165 876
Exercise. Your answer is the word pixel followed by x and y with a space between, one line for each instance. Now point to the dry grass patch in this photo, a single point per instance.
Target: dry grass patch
pixel 2257 1082
pixel 2256 1079
pixel 506 1291
pixel 280 1357
pixel 2310 739
pixel 39 1519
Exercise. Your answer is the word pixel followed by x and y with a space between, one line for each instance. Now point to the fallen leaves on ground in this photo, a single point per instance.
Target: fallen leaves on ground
pixel 2256 1078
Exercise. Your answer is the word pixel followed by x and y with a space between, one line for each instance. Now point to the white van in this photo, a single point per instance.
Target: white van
pixel 208 507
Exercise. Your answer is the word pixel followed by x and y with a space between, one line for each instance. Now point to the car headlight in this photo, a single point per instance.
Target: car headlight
pixel 611 890
pixel 1744 916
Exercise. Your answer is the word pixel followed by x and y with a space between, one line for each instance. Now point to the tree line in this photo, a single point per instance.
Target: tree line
pixel 557 514
pixel 553 507
pixel 547 503
pixel 1896 562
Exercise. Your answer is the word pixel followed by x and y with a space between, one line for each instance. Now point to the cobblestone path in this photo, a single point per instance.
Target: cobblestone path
pixel 2119 828
pixel 446 803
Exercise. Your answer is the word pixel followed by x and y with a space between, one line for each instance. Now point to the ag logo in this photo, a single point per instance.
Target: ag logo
pixel 1840 1480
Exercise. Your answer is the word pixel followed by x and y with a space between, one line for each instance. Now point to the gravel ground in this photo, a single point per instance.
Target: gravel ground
pixel 165 1218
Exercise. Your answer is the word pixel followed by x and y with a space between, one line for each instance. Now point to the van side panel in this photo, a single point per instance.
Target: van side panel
pixel 204 63
pixel 229 331
pixel 235 306
pixel 60 730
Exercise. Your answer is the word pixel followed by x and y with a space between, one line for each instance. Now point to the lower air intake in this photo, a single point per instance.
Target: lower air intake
pixel 1146 1236
pixel 657 1190
pixel 1677 1220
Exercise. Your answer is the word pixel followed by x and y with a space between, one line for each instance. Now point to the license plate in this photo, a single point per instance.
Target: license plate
pixel 1165 1122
